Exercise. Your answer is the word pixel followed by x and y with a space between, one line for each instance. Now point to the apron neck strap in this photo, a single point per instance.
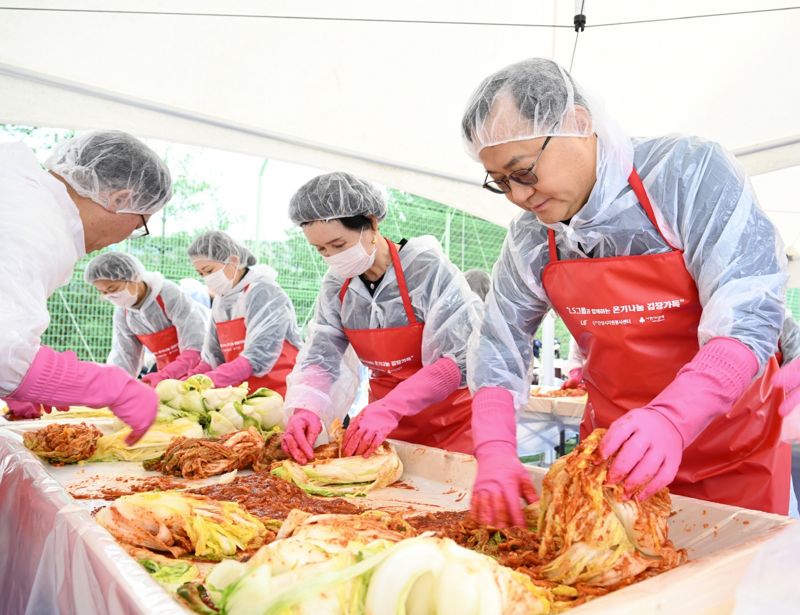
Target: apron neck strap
pixel 160 302
pixel 551 244
pixel 345 286
pixel 401 283
pixel 638 189
pixel 641 194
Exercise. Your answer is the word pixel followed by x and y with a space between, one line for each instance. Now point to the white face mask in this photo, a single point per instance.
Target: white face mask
pixel 218 283
pixel 353 261
pixel 122 298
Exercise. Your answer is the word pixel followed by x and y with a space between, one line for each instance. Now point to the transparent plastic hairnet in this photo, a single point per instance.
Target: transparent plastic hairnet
pixel 180 311
pixel 220 247
pixel 100 162
pixel 704 204
pixel 336 195
pixel 530 99
pixel 479 282
pixel 441 299
pixel 269 318
pixel 114 266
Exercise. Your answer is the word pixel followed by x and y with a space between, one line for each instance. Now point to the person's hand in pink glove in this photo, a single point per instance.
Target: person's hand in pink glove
pixel 648 442
pixel 502 481
pixel 648 451
pixel 153 378
pixel 24 409
pixel 60 379
pixel 575 379
pixel 200 368
pixel 788 379
pixel 301 432
pixel 232 373
pixel 431 384
pixel 184 362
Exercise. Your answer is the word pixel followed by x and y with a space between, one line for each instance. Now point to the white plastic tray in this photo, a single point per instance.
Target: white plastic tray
pixel 721 540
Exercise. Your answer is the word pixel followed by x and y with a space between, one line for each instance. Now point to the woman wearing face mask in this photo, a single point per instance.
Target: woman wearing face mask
pixel 669 276
pixel 151 313
pixel 405 310
pixel 253 334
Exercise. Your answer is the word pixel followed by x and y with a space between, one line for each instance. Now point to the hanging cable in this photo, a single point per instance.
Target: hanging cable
pixel 579 23
pixel 685 17
pixel 387 21
pixel 283 17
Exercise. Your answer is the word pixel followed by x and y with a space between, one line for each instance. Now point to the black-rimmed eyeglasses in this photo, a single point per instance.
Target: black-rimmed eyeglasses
pixel 526 177
pixel 143 231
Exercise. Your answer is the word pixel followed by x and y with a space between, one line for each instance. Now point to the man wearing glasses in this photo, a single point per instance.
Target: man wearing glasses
pixel 668 275
pixel 98 189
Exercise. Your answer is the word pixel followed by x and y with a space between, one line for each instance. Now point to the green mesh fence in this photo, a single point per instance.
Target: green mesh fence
pixel 793 302
pixel 81 321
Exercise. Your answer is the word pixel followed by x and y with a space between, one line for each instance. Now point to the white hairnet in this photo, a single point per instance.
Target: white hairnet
pixel 705 206
pixel 186 315
pixel 218 246
pixel 336 195
pixel 269 318
pixel 479 282
pixel 100 162
pixel 439 295
pixel 114 266
pixel 530 99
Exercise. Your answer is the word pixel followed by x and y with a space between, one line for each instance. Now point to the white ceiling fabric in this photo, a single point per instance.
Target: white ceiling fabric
pixel 384 100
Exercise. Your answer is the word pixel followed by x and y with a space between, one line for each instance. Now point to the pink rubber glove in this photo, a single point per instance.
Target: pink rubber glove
pixel 232 373
pixel 649 442
pixel 502 481
pixel 24 409
pixel 301 432
pixel 575 379
pixel 431 384
pixel 788 379
pixel 184 362
pixel 201 368
pixel 59 379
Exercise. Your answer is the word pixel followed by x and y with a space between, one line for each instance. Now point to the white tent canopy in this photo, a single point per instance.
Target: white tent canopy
pixel 377 88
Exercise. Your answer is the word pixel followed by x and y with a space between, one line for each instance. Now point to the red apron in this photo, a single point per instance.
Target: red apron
pixel 635 319
pixel 232 334
pixel 394 354
pixel 163 344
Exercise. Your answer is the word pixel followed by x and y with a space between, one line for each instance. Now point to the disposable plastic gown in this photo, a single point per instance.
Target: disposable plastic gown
pixel 188 316
pixel 706 207
pixel 790 339
pixel 268 316
pixel 324 380
pixel 42 238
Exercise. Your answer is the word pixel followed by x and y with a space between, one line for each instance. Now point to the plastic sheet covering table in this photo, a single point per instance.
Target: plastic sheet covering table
pixel 54 559
pixel 53 549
